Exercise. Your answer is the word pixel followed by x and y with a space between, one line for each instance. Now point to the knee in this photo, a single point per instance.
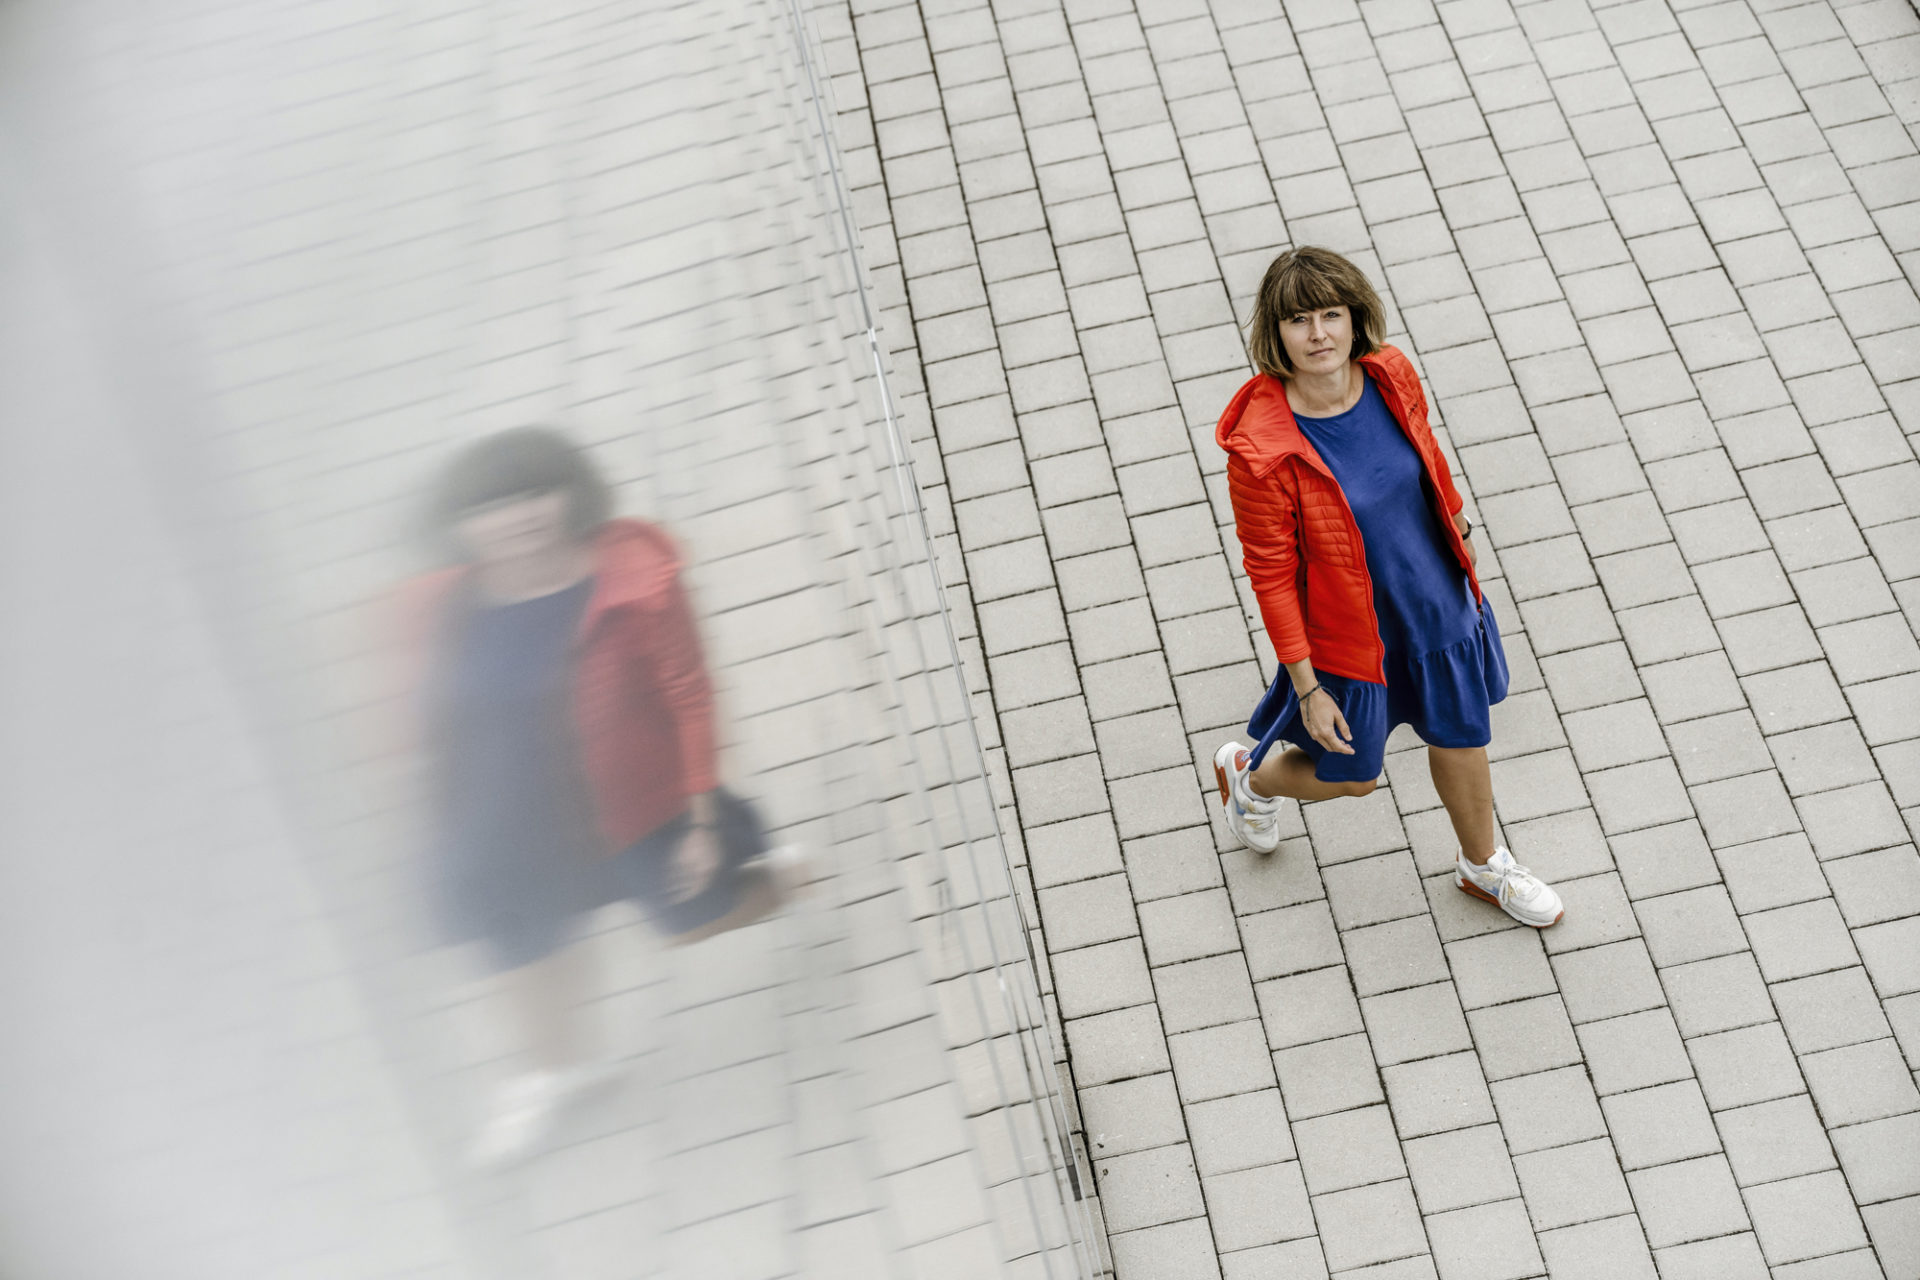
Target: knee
pixel 1359 788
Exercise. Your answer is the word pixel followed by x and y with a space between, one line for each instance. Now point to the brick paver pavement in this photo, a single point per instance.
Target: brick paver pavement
pixel 1657 262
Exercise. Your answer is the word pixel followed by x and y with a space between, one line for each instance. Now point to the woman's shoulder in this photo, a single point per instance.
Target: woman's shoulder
pixel 635 560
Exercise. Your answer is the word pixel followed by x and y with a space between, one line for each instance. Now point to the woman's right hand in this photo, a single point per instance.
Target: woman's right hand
pixel 1321 714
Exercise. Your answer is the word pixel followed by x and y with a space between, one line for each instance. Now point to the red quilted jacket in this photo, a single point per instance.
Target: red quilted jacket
pixel 642 699
pixel 1301 544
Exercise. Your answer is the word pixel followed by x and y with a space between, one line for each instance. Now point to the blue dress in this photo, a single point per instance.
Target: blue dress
pixel 1444 664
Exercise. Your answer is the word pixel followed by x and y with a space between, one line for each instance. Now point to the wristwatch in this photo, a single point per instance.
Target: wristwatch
pixel 1468 531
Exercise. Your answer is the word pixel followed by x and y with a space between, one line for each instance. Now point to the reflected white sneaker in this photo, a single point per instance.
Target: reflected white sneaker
pixel 525 1108
pixel 521 1115
pixel 1254 820
pixel 1511 887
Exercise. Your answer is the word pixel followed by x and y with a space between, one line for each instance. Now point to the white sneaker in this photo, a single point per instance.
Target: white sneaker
pixel 519 1119
pixel 1511 887
pixel 1254 820
pixel 525 1108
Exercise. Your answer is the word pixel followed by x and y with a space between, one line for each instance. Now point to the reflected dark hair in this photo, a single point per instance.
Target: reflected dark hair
pixel 519 462
pixel 1312 279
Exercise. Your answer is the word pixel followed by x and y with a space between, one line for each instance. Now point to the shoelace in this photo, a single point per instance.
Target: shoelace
pixel 1516 882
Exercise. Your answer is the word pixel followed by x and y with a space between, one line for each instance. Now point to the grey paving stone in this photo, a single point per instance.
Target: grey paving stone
pixel 1636 1051
pixel 1773 1140
pixel 1499 967
pixel 1349 1149
pixel 1875 887
pixel 1805 1218
pixel 1591 677
pixel 1460 1168
pixel 1895 1229
pixel 1244 1131
pixel 1327 1076
pixel 1188 927
pixel 1851 820
pixel 1718 747
pixel 1823 758
pixel 1792 942
pixel 1689 1200
pixel 1395 955
pixel 1665 859
pixel 1860 1082
pixel 1372 890
pixel 1290 940
pixel 1830 1010
pixel 1687 688
pixel 1660 1125
pixel 1617 734
pixel 1489 1240
pixel 1635 796
pixel 1371 1224
pixel 1597 911
pixel 1354 827
pixel 1260 882
pixel 1169 864
pixel 1570 1184
pixel 1177 1251
pixel 1695 925
pixel 1607 981
pixel 1088 911
pixel 1204 993
pixel 1117 1046
pixel 1752 1064
pixel 1219 1061
pixel 1740 810
pixel 1132 1115
pixel 1880 1158
pixel 1767 641
pixel 1307 1007
pixel 1419 1022
pixel 1718 994
pixel 1524 1037
pixel 1833 1266
pixel 1731 1257
pixel 1254 1207
pixel 1610 1248
pixel 1669 630
pixel 1434 1095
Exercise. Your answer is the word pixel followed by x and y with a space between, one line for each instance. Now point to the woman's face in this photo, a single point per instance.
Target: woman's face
pixel 1318 342
pixel 514 528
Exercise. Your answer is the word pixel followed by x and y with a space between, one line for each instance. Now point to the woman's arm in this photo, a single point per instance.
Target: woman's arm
pixel 1264 520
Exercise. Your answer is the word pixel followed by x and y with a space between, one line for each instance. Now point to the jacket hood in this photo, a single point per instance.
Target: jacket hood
pixel 1258 426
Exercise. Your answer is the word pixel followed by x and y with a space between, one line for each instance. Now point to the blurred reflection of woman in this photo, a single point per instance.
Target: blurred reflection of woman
pixel 569 724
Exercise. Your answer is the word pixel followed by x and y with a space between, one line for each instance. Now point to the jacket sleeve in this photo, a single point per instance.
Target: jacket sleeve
pixel 1265 520
pixel 680 670
pixel 1449 495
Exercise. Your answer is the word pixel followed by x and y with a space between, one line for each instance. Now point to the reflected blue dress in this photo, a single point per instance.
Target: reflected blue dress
pixel 1444 665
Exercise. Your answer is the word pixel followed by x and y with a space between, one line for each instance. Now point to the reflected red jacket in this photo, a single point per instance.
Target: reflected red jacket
pixel 641 697
pixel 1299 539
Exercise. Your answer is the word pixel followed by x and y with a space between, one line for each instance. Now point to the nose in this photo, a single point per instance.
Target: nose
pixel 1317 331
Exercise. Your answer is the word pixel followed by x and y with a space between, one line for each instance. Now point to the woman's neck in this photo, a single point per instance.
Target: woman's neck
pixel 1322 395
pixel 532 576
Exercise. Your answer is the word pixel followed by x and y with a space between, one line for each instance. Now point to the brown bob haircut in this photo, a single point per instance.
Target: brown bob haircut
pixel 1312 279
pixel 513 464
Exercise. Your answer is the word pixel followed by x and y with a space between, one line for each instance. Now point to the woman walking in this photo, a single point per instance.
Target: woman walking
pixel 1363 568
pixel 569 725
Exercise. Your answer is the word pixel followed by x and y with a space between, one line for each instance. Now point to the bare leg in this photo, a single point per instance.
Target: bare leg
pixel 1289 773
pixel 543 997
pixel 1465 783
